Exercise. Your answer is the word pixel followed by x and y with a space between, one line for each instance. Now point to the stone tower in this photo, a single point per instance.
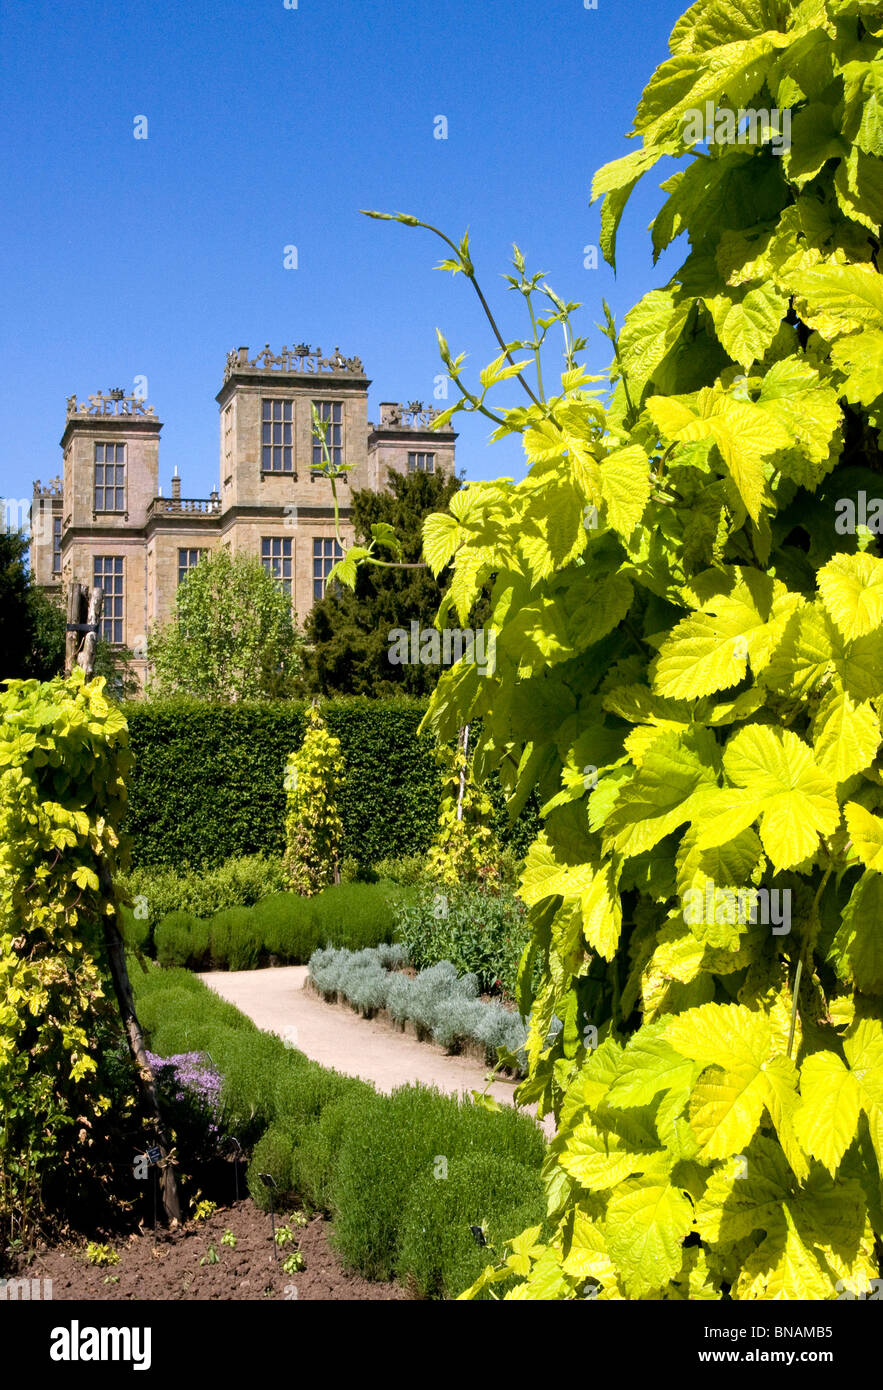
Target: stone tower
pixel 111 463
pixel 274 502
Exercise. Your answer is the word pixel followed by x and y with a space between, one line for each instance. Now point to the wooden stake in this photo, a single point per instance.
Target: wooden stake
pixel 74 605
pixel 464 732
pixel 116 956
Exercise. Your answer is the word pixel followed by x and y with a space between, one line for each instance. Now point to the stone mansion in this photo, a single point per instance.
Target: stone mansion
pixel 106 521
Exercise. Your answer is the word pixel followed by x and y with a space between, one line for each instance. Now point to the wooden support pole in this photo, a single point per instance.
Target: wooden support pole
pixel 74 606
pixel 464 742
pixel 116 956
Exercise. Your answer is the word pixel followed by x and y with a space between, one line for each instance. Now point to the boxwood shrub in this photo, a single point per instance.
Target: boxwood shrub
pixel 283 927
pixel 335 1143
pixel 473 1190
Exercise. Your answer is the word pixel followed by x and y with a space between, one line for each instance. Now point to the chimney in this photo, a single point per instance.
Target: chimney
pixel 176 486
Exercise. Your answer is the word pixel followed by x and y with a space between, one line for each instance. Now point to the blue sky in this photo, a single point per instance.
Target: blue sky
pixel 270 127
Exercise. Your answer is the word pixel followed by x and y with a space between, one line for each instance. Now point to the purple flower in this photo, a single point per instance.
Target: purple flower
pixel 193 1078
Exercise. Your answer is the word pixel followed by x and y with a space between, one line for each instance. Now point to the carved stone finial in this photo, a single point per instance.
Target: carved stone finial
pixel 300 358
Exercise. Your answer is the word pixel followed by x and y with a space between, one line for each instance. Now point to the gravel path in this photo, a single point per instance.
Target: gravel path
pixel 334 1035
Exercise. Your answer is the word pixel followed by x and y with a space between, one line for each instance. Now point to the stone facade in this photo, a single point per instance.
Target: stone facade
pixel 106 521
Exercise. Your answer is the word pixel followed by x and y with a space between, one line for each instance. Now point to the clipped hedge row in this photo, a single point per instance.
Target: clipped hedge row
pixel 403 1176
pixel 438 1002
pixel 208 780
pixel 283 927
pixel 158 890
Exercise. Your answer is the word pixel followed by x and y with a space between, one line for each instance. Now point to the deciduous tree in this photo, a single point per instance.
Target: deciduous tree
pixel 232 635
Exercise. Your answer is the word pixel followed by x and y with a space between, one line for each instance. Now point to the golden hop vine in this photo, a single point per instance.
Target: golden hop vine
pixel 63 759
pixel 465 849
pixel 690 673
pixel 313 828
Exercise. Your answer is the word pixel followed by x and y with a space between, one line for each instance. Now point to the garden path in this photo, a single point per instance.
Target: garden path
pixel 335 1036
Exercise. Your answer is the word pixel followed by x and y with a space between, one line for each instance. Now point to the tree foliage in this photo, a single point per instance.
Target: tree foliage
pixel 347 632
pixel 694 686
pixel 232 636
pixel 31 623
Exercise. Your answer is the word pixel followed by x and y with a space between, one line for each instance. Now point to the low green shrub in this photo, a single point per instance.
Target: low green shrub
pixel 234 939
pixel 254 1069
pixel 183 940
pixel 239 882
pixel 285 923
pixel 272 1155
pixel 475 1190
pixel 398 1139
pixel 155 1008
pixel 303 1092
pixel 178 1014
pixel 409 870
pixel 357 914
pixel 479 931
pixel 283 927
pixel 317 1144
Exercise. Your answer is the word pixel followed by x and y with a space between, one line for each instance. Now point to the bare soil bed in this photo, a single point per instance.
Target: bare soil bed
pixel 169 1268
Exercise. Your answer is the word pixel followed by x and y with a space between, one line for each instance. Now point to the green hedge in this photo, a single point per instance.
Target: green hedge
pixel 403 1176
pixel 208 778
pixel 207 784
pixel 283 926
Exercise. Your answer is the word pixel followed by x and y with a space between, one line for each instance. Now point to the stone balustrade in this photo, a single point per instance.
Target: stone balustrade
pixel 185 506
